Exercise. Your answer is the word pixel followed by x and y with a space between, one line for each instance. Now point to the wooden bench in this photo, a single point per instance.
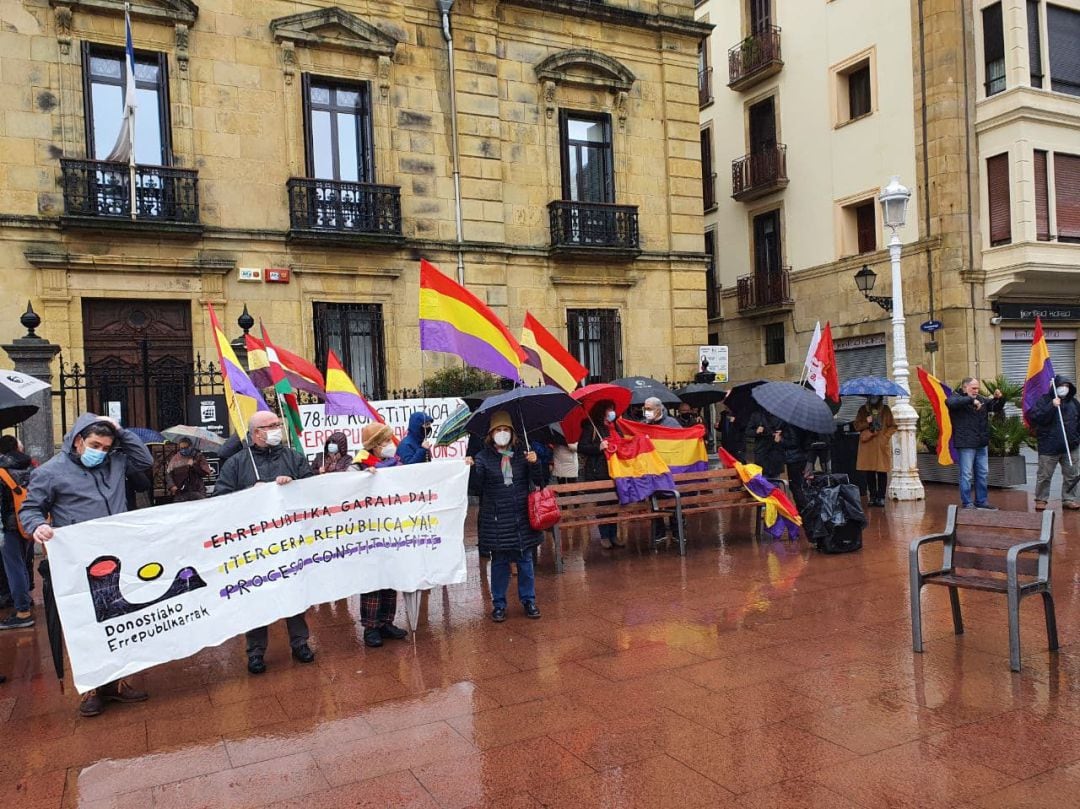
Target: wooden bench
pixel 981 551
pixel 712 490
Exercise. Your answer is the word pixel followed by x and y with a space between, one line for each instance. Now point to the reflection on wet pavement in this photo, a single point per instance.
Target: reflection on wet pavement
pixel 745 674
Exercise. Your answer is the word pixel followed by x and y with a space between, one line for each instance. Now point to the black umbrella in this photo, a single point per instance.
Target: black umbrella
pixel 644 387
pixel 473 400
pixel 701 394
pixel 14 409
pixel 739 400
pixel 796 405
pixel 52 621
pixel 529 408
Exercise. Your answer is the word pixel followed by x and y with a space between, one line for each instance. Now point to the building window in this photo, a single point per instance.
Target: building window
pixel 1063 33
pixel 708 176
pixel 704 74
pixel 760 15
pixel 587 162
pixel 594 336
pixel 1034 44
pixel 854 88
pixel 1042 198
pixel 997 187
pixel 338 124
pixel 993 49
pixel 712 286
pixel 105 76
pixel 1067 196
pixel 858 227
pixel 768 249
pixel 774 344
pixel 355 333
pixel 859 91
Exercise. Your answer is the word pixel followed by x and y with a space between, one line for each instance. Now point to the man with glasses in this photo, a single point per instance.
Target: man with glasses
pixel 264 460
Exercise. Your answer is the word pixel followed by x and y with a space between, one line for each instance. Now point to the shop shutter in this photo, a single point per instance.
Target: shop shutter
pixel 1063 33
pixel 1015 355
pixel 1042 201
pixel 1067 195
pixel 997 181
pixel 853 362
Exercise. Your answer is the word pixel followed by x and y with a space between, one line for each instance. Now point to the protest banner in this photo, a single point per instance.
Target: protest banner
pixel 158 584
pixel 317 426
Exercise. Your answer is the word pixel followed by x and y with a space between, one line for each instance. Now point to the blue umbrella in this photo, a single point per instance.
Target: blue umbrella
pixel 148 436
pixel 871 386
pixel 529 408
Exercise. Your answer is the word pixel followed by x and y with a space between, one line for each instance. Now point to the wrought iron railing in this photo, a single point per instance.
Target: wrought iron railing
pixel 593 224
pixel 766 288
pixel 102 189
pixel 762 170
pixel 754 54
pixel 704 86
pixel 344 207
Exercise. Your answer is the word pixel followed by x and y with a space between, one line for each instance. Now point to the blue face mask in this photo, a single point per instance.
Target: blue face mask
pixel 93 457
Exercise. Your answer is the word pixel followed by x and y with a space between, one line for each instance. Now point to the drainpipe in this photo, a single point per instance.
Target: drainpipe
pixel 444 10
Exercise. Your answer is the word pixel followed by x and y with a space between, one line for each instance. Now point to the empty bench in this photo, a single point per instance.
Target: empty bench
pixel 1000 552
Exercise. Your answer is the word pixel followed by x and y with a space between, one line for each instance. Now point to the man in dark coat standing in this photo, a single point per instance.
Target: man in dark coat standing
pixel 264 461
pixel 970 415
pixel 1052 431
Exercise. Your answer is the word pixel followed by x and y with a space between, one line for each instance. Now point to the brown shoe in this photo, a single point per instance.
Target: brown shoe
pixel 1071 505
pixel 121 691
pixel 92 704
pixel 1040 505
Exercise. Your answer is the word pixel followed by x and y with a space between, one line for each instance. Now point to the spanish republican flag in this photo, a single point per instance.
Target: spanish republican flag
pixel 636 468
pixel 287 402
pixel 682 448
pixel 781 516
pixel 308 378
pixel 547 355
pixel 243 398
pixel 343 398
pixel 1040 372
pixel 937 392
pixel 454 321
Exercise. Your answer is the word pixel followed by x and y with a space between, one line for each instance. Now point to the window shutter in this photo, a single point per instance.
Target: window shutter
pixel 708 191
pixel 1042 200
pixel 1034 44
pixel 1067 195
pixel 1063 31
pixel 866 225
pixel 997 181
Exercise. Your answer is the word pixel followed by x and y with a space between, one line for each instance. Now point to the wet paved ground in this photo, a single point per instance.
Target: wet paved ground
pixel 742 675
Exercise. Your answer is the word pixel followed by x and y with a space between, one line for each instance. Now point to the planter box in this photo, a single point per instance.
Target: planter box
pixel 1002 472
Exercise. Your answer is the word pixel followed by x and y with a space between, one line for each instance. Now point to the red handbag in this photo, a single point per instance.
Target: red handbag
pixel 543 509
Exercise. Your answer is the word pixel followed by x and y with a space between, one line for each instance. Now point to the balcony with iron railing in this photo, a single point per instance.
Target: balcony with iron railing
pixel 704 86
pixel 761 172
pixel 765 291
pixel 579 228
pixel 97 194
pixel 755 58
pixel 346 211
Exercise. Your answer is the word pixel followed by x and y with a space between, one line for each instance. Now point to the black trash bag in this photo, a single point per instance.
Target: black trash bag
pixel 833 517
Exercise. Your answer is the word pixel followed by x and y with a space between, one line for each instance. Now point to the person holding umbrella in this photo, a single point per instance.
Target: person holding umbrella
pixel 187 472
pixel 335 456
pixel 505 473
pixel 875 425
pixel 593 449
pixel 15 467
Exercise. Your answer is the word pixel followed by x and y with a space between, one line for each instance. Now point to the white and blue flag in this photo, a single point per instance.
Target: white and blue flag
pixel 124 150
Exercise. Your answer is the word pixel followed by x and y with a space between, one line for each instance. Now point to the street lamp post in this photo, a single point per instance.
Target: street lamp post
pixel 904 483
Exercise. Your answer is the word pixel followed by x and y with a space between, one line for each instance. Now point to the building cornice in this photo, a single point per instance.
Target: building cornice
pixel 853 263
pixel 1025 104
pixel 358 35
pixel 173 11
pixel 603 13
pixel 197 265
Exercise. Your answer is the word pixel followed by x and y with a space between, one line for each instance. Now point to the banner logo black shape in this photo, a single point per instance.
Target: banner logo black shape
pixel 103 575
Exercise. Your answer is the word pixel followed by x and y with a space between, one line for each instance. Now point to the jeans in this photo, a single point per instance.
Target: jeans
pixel 14 553
pixel 500 576
pixel 973 461
pixel 1070 478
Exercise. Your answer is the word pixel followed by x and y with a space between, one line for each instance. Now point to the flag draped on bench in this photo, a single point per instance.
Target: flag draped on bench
pixel 636 468
pixel 781 516
pixel 682 448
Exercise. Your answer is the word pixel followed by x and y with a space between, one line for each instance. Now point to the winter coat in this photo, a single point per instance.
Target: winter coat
pixel 18 465
pixel 238 474
pixel 875 446
pixel 971 427
pixel 565 460
pixel 188 478
pixel 795 444
pixel 1044 418
pixel 594 465
pixel 72 493
pixel 503 519
pixel 339 464
pixel 411 449
pixel 768 454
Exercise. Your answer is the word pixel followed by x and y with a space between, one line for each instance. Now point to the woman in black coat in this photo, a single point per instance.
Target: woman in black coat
pixel 592 448
pixel 504 474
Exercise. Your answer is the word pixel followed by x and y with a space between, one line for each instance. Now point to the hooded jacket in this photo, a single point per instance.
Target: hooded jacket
pixel 238 473
pixel 410 450
pixel 71 493
pixel 1047 425
pixel 971 427
pixel 344 459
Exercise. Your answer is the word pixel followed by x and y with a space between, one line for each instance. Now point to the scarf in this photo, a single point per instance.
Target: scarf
pixel 505 465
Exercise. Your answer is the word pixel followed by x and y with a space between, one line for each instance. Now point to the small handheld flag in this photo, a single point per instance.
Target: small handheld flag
pixel 242 397
pixel 937 392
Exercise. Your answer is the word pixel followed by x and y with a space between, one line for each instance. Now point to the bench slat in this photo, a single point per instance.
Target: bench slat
pixel 1025 565
pixel 1000 519
pixel 971 582
pixel 1000 540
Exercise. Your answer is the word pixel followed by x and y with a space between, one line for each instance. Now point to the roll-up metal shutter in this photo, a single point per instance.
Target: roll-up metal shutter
pixel 1015 355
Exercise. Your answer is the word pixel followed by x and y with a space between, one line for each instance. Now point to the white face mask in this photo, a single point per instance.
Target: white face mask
pixel 273 438
pixel 332 449
pixel 501 438
pixel 1063 390
pixel 650 415
pixel 387 451
pixel 611 415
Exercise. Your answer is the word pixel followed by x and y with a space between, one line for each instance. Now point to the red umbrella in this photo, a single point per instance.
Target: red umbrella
pixel 588 397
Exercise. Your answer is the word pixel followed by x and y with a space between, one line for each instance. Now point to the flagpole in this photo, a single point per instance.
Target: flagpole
pixel 130 103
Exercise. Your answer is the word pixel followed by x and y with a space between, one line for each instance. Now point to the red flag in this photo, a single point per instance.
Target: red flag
pixel 822 376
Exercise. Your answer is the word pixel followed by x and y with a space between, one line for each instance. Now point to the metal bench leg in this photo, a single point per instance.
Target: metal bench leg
pixel 1014 629
pixel 957 618
pixel 556 548
pixel 759 522
pixel 916 617
pixel 1051 620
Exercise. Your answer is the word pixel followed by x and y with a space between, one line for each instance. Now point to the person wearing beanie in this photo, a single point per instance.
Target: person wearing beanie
pixel 377 608
pixel 505 472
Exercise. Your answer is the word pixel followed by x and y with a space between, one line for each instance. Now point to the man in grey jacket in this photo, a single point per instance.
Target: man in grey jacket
pixel 264 461
pixel 84 481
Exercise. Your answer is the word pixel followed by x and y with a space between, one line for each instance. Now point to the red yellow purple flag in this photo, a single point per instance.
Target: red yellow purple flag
pixel 937 392
pixel 781 516
pixel 682 448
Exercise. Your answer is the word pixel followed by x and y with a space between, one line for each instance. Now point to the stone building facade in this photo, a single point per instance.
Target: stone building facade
pixel 298 158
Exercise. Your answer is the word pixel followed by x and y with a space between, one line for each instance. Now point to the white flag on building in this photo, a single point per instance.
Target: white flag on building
pixel 124 150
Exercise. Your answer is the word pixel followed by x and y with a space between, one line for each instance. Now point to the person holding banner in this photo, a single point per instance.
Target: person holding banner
pixel 84 481
pixel 1056 419
pixel 505 476
pixel 265 460
pixel 970 414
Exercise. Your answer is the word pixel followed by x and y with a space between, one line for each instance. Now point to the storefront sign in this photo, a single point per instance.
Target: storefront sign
pixel 1029 311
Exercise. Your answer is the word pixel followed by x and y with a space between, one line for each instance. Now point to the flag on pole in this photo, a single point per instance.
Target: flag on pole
pixel 311 380
pixel 812 350
pixel 124 150
pixel 454 321
pixel 546 354
pixel 243 398
pixel 343 398
pixel 937 392
pixel 286 394
pixel 821 367
pixel 1040 372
